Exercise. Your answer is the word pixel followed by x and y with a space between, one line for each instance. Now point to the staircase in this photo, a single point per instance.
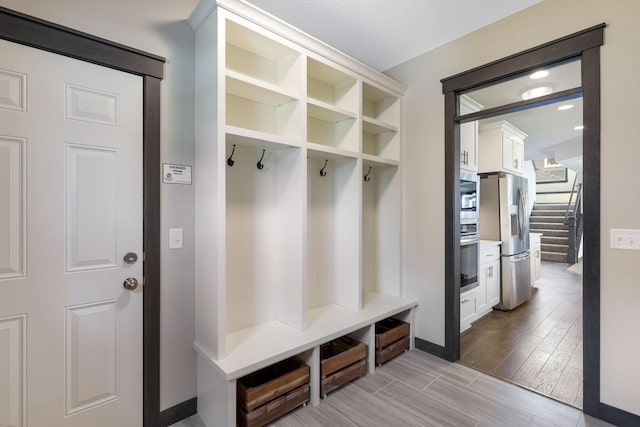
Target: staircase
pixel 548 219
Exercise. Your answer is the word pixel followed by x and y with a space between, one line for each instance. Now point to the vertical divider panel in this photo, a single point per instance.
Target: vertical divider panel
pixel 346 237
pixel 367 335
pixel 210 188
pixel 388 230
pixel 360 116
pixel 312 358
pixel 290 240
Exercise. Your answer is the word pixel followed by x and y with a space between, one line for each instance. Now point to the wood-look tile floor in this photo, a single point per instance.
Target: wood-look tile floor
pixel 539 344
pixel 418 389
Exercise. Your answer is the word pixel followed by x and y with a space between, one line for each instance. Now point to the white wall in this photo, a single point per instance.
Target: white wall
pixel 555 187
pixel 424 163
pixel 159 27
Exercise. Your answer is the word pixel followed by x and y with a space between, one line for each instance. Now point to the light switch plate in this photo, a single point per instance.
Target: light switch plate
pixel 625 239
pixel 175 238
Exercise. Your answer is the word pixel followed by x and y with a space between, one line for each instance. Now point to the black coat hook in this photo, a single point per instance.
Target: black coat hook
pixel 367 178
pixel 230 160
pixel 260 165
pixel 322 171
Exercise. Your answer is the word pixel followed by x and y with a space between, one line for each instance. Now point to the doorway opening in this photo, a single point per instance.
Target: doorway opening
pixel 538 344
pixel 585 46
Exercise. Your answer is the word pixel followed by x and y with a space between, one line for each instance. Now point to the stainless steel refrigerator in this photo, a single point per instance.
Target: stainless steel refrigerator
pixel 504 217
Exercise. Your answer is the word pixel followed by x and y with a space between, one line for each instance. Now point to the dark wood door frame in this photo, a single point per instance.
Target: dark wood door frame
pixel 34 32
pixel 586 46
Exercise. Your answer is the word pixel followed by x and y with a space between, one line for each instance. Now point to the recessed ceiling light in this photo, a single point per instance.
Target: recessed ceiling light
pixel 565 107
pixel 578 127
pixel 539 75
pixel 536 92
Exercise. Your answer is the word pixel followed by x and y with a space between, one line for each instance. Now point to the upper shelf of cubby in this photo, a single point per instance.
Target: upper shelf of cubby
pixel 373 160
pixel 380 107
pixel 328 113
pixel 329 152
pixel 376 127
pixel 258 91
pixel 261 60
pixel 253 138
pixel 331 86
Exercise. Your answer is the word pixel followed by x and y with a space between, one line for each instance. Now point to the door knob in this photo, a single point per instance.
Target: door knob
pixel 130 258
pixel 130 283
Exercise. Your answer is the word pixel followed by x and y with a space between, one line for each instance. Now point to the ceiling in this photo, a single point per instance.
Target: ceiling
pixel 550 132
pixel 385 33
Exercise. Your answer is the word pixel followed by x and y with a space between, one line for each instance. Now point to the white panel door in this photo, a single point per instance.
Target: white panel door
pixel 70 209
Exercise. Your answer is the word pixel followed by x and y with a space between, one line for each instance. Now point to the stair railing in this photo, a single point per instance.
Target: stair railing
pixel 574 189
pixel 573 219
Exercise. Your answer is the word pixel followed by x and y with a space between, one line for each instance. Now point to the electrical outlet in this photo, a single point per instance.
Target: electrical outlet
pixel 175 238
pixel 625 239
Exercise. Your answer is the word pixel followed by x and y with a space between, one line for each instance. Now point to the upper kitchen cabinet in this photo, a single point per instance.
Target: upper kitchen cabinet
pixel 469 136
pixel 501 147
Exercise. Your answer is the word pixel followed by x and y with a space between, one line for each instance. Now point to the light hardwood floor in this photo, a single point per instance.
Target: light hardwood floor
pixel 418 389
pixel 539 344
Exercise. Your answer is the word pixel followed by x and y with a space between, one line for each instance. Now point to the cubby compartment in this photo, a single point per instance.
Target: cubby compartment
pixel 264 235
pixel 341 361
pixel 331 86
pixel 243 110
pixel 266 395
pixel 331 127
pixel 256 56
pixel 381 107
pixel 380 123
pixel 380 140
pixel 392 339
pixel 381 223
pixel 332 230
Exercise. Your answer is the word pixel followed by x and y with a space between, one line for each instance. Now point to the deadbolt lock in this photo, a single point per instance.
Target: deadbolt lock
pixel 130 258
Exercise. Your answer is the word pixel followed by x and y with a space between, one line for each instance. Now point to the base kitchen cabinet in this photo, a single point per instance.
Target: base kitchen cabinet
pixel 536 255
pixel 468 308
pixel 480 301
pixel 489 276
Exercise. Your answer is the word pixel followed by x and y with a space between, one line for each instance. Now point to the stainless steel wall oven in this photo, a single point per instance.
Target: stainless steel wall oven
pixel 469 244
pixel 469 195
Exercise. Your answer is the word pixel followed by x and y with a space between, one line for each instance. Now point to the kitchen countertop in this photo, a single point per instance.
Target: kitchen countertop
pixel 490 242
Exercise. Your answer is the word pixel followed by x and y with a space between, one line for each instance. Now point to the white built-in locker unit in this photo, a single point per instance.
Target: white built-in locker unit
pixel 298 200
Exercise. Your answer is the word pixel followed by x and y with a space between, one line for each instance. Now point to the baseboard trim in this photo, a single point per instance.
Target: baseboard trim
pixel 618 417
pixel 179 412
pixel 431 348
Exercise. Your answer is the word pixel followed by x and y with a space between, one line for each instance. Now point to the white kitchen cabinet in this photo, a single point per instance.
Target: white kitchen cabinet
pixel 488 277
pixel 468 308
pixel 536 255
pixel 469 136
pixel 298 199
pixel 501 148
pixel 492 277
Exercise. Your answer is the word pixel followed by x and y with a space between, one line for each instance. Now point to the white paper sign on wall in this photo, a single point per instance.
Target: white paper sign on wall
pixel 176 174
